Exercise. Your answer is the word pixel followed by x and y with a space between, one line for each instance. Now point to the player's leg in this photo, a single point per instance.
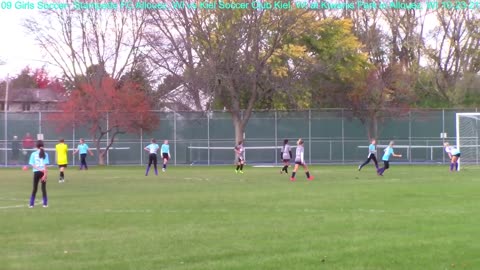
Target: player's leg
pixel 36 179
pixel 385 167
pixel 294 171
pixel 44 193
pixel 238 165
pixel 455 162
pixel 83 162
pixel 364 163
pixel 150 160
pixel 287 163
pixel 241 165
pixel 375 161
pixel 155 163
pixel 165 161
pixel 307 173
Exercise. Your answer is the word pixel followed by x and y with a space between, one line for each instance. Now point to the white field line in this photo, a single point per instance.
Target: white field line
pixel 17 205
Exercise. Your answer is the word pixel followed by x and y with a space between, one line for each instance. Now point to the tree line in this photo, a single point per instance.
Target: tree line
pixel 376 62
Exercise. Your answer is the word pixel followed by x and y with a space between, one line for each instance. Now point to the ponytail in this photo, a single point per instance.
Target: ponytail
pixel 40 147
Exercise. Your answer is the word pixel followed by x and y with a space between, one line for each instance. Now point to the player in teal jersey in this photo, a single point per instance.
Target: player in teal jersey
pixel 372 150
pixel 152 149
pixel 386 157
pixel 39 161
pixel 165 150
pixel 83 149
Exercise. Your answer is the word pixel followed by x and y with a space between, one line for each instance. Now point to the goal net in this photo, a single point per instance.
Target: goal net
pixel 468 131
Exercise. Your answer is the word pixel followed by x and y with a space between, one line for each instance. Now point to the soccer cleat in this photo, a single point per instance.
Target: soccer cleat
pixel 30 206
pixel 292 179
pixel 45 206
pixel 240 172
pixel 310 178
pixel 163 169
pixel 236 171
pixel 359 167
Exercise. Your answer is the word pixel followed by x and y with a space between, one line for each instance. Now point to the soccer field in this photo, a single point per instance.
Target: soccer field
pixel 415 217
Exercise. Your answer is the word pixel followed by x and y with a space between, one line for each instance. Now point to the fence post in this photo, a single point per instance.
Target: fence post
pixel 443 130
pixel 343 137
pixel 108 138
pixel 276 139
pixel 73 141
pixel 175 138
pixel 310 136
pixel 208 136
pixel 40 122
pixel 409 136
pixel 141 146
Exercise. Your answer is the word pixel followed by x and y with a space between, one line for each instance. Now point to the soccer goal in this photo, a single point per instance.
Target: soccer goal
pixel 467 131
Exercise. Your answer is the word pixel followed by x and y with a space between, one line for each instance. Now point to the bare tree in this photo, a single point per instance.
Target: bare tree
pixel 454 53
pixel 76 39
pixel 169 36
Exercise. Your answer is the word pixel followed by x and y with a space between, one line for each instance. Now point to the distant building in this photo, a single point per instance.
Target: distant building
pixel 24 100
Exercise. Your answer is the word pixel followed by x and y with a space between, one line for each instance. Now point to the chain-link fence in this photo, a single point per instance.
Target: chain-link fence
pixel 330 135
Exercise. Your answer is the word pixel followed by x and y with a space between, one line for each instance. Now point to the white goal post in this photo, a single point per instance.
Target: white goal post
pixel 467 132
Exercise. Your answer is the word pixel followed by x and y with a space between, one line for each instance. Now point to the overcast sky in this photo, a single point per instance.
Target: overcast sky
pixel 16 47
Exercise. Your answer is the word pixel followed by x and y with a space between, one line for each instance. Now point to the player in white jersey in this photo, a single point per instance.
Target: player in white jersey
pixel 240 156
pixel 453 154
pixel 286 155
pixel 300 160
pixel 152 149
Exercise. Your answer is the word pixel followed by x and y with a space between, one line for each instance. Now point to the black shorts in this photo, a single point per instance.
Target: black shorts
pixel 165 155
pixel 386 164
pixel 299 163
pixel 286 160
pixel 240 159
pixel 457 155
pixel 62 165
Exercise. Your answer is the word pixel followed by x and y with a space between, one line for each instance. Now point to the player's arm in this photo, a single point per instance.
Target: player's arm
pixel 46 161
pixel 396 155
pixel 75 151
pixel 146 149
pixel 90 152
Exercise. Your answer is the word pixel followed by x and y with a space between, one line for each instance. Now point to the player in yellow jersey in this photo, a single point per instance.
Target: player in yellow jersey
pixel 61 151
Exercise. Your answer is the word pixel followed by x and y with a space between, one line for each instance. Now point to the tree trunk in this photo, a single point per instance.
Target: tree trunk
pixel 372 127
pixel 239 128
pixel 101 158
pixel 100 154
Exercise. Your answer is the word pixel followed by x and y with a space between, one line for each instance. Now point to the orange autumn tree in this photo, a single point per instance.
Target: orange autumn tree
pixel 124 104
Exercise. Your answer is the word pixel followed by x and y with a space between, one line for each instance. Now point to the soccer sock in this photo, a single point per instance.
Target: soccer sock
pixel 156 170
pixel 241 167
pixel 286 168
pixel 238 167
pixel 451 166
pixel 62 175
pixel 164 166
pixel 148 169
pixel 308 174
pixel 456 166
pixel 293 174
pixel 32 200
pixel 45 201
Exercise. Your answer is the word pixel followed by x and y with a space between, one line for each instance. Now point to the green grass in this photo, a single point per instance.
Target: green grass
pixel 415 217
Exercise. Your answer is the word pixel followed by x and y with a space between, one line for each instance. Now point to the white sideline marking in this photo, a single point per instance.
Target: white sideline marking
pixel 17 205
pixel 197 179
